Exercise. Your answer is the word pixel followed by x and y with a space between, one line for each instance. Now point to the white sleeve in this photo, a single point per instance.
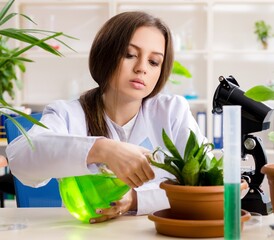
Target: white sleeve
pixel 151 198
pixel 56 152
pixel 53 156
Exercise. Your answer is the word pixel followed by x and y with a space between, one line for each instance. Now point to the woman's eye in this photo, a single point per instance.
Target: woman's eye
pixel 129 55
pixel 154 63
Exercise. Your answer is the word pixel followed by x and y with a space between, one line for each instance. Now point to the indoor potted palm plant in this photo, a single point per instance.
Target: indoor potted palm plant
pixel 196 170
pixel 196 194
pixel 10 58
pixel 202 174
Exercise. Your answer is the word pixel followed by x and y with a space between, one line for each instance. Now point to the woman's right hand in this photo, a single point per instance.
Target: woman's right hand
pixel 127 161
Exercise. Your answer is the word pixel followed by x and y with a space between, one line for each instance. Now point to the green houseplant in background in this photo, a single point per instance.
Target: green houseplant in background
pixel 189 91
pixel 262 93
pixel 180 70
pixel 8 71
pixel 11 58
pixel 263 31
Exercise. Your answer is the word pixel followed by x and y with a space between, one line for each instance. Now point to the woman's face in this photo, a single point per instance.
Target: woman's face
pixel 140 68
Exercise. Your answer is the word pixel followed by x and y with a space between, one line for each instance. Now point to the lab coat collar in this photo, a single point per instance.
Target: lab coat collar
pixel 138 135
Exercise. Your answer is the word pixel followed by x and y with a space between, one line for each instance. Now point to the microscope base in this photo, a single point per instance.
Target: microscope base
pixel 256 201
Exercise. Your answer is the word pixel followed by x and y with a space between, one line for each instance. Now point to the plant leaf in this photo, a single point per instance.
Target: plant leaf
pixel 18 125
pixel 28 117
pixel 7 18
pixel 21 36
pixel 167 167
pixel 260 93
pixel 190 172
pixel 213 175
pixel 178 163
pixel 174 81
pixel 191 146
pixel 170 146
pixel 5 9
pixel 180 70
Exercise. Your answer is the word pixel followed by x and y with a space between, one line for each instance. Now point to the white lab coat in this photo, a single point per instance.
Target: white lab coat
pixel 62 149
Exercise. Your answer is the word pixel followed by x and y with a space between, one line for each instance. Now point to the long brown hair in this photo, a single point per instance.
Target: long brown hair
pixel 108 48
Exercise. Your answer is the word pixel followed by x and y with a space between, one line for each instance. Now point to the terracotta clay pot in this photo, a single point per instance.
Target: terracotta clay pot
pixel 196 202
pixel 268 170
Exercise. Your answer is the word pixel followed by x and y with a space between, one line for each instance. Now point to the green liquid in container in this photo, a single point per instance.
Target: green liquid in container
pixel 232 211
pixel 82 195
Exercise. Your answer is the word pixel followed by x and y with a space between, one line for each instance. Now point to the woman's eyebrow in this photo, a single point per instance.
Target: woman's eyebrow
pixel 135 46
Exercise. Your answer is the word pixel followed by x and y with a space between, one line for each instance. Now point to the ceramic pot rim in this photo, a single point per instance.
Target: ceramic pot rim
pixel 167 184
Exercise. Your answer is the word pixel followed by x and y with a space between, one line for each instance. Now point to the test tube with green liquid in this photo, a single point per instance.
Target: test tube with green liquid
pixel 232 172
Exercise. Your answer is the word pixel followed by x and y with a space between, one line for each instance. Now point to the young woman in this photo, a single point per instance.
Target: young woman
pixel 118 123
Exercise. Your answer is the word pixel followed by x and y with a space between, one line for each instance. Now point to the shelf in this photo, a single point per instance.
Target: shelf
pixel 164 2
pixel 241 1
pixel 244 52
pixel 211 38
pixel 187 53
pixel 197 102
pixel 65 2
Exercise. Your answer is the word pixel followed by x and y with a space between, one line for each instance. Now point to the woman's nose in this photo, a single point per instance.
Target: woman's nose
pixel 140 67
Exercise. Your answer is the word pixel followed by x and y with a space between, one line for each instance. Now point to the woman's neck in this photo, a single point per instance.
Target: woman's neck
pixel 121 112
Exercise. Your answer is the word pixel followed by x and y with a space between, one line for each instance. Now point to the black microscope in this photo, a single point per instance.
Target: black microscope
pixel 255 117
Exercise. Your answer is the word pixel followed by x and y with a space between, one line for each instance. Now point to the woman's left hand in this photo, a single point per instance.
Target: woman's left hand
pixel 116 209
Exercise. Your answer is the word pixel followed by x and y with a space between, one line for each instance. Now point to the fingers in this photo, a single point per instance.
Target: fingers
pixel 142 173
pixel 147 168
pixel 134 181
pixel 108 213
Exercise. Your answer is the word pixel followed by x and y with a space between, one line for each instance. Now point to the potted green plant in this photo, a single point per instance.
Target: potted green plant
pixel 198 184
pixel 11 58
pixel 263 32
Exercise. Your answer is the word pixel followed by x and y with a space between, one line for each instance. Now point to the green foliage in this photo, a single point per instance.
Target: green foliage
pixel 262 30
pixel 196 168
pixel 260 93
pixel 179 69
pixel 4 105
pixel 10 58
pixel 8 75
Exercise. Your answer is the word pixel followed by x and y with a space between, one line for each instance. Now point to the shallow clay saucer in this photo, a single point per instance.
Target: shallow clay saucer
pixel 167 224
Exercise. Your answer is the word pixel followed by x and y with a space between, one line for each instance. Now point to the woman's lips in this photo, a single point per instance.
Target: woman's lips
pixel 137 84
